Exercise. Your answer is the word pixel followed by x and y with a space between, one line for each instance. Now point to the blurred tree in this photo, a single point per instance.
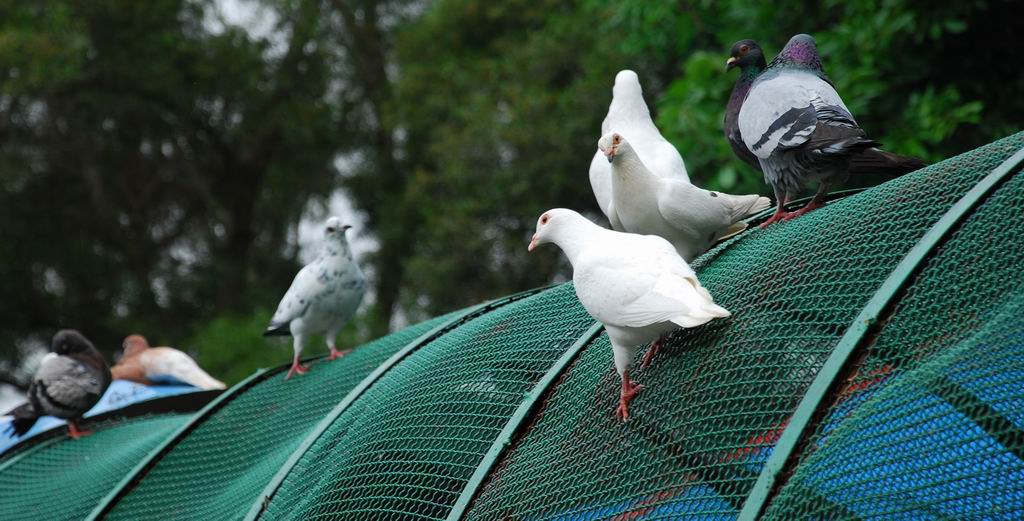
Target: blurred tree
pixel 362 35
pixel 153 164
pixel 500 104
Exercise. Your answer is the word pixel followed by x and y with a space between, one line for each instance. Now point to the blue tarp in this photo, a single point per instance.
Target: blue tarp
pixel 119 394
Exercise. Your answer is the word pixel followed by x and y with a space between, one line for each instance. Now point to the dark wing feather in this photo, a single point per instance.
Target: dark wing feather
pixel 798 123
pixel 836 132
pixel 875 161
pixel 834 140
pixel 24 418
pixel 278 329
pixel 740 149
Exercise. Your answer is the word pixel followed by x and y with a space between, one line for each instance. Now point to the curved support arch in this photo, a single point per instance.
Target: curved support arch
pixel 140 470
pixel 260 505
pixel 799 422
pixel 526 407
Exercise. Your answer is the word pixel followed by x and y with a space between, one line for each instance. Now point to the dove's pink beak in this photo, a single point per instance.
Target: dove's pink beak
pixel 533 243
pixel 610 154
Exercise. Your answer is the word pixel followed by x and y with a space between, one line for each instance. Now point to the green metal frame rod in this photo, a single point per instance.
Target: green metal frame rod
pixel 526 407
pixel 815 394
pixel 36 447
pixel 260 505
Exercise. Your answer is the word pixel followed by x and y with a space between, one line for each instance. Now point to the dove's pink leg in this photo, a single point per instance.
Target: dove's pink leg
pixel 338 354
pixel 335 354
pixel 296 368
pixel 74 432
pixel 780 212
pixel 629 390
pixel 651 351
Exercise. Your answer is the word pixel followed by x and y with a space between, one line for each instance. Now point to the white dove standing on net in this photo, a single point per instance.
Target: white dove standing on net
pixel 690 218
pixel 628 115
pixel 323 297
pixel 636 285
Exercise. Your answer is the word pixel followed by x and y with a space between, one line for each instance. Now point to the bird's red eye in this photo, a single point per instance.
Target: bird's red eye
pixel 744 49
pixel 544 219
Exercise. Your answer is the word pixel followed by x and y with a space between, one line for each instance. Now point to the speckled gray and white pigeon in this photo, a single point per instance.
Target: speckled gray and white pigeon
pixel 636 285
pixel 798 127
pixel 748 56
pixel 323 297
pixel 69 381
pixel 628 115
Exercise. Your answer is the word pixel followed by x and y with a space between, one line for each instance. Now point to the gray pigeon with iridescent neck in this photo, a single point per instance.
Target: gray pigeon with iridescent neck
pixel 323 297
pixel 747 56
pixel 798 127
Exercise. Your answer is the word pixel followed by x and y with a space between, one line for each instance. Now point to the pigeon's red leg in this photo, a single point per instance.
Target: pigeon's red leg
pixel 629 390
pixel 335 354
pixel 780 212
pixel 816 202
pixel 813 205
pixel 296 368
pixel 651 351
pixel 74 432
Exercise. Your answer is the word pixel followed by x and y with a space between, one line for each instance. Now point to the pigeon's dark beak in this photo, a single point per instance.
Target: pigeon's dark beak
pixel 610 154
pixel 730 64
pixel 346 228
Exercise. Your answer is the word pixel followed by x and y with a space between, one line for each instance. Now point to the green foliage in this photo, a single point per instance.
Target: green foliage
pixel 931 118
pixel 690 113
pixel 501 114
pixel 232 347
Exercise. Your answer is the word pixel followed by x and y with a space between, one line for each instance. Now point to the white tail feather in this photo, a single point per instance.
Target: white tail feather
pixel 161 362
pixel 750 204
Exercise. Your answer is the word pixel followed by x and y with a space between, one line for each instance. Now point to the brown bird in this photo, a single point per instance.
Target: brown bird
pixel 148 365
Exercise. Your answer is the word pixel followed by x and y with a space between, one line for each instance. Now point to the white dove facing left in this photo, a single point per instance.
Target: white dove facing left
pixel 628 114
pixel 322 298
pixel 689 217
pixel 636 285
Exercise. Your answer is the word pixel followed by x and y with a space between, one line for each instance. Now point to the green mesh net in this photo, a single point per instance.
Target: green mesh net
pixel 940 441
pixel 925 422
pixel 410 445
pixel 63 478
pixel 718 397
pixel 929 422
pixel 220 468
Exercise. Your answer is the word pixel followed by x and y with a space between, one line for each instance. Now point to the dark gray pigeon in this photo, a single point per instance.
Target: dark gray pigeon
pixel 70 380
pixel 748 56
pixel 792 120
